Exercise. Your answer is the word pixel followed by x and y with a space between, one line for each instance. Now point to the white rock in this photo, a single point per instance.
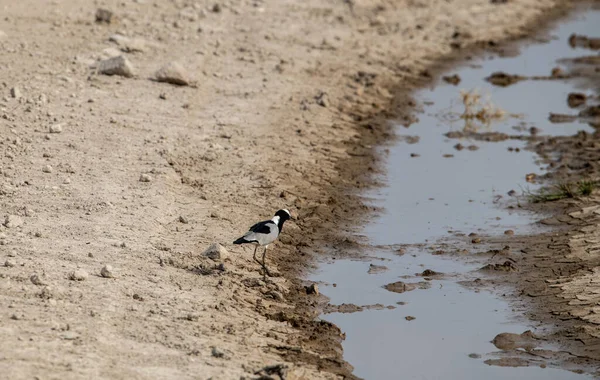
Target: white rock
pixel 13 221
pixel 15 92
pixel 173 73
pixel 116 66
pixel 216 252
pixel 56 128
pixel 37 280
pixel 47 169
pixel 127 44
pixel 78 275
pixel 107 271
pixel 145 178
pixel 9 263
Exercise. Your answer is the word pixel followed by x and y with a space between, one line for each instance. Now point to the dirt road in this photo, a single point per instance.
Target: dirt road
pixel 280 110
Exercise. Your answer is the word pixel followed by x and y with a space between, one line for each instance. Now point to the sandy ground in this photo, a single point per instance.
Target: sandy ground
pixel 144 176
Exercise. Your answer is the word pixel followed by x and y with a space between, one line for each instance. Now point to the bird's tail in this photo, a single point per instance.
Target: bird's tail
pixel 241 241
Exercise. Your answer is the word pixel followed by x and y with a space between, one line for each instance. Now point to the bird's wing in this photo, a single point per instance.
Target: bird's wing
pixel 262 227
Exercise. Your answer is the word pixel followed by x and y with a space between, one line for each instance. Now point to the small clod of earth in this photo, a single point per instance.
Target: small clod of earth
pixel 401 287
pixel 503 79
pixel 429 273
pixel 506 266
pixel 474 356
pixel 312 289
pixel 511 341
pixel 375 269
pixel 452 79
pixel 410 318
pixel 576 99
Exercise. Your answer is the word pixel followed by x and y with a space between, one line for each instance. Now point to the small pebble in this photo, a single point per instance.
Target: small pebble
pixel 47 169
pixel 312 289
pixel 107 271
pixel 409 318
pixel 509 232
pixel 217 353
pixel 183 219
pixel 476 241
pixel 78 275
pixel 9 263
pixel 56 128
pixel 145 178
pixel 474 356
pixel 36 280
pixel 15 92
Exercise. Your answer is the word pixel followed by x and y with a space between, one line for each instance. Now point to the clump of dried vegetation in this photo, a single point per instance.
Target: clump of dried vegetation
pixel 564 190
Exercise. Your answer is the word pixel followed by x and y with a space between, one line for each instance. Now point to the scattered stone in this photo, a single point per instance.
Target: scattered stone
pixel 413 155
pixel 472 147
pixel 312 289
pixel 173 73
pixel 107 271
pixel 576 99
pixel 15 317
pixel 70 335
pixel 9 263
pixel 47 169
pixel 509 232
pixel 104 16
pixel 145 177
pixel 459 147
pixel 452 79
pixel 410 318
pixel 78 275
pixel 12 221
pixel 137 297
pixel 36 280
pixel 375 269
pixel 15 92
pixel 216 252
pixel 183 219
pixel 216 8
pixel 447 155
pixel 474 356
pixel 128 45
pixel 322 99
pixel 476 240
pixel 116 66
pixel 56 128
pixel 512 193
pixel 217 353
pixel 504 80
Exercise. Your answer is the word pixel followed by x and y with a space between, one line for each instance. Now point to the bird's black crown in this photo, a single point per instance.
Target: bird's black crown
pixel 283 215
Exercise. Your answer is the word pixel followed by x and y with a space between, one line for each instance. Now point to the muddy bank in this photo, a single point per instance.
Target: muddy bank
pixel 262 109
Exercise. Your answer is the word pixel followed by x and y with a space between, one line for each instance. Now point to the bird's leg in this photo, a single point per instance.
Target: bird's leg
pixel 254 256
pixel 264 265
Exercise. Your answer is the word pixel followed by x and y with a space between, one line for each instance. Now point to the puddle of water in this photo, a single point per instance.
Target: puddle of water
pixel 428 195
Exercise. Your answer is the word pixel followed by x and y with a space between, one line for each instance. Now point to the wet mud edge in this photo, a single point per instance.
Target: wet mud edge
pixel 319 342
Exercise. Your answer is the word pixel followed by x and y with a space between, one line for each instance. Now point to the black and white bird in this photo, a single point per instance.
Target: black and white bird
pixel 264 233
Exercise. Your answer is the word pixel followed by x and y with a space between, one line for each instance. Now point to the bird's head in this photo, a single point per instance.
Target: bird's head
pixel 283 215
